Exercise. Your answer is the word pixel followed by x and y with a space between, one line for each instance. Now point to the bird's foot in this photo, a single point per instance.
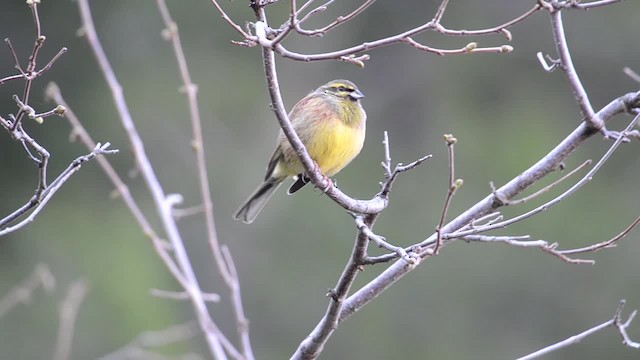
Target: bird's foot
pixel 329 183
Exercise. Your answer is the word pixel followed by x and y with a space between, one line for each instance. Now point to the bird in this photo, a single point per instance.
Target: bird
pixel 331 123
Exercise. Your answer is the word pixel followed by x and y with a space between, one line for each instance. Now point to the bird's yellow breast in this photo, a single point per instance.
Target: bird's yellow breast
pixel 335 144
pixel 332 133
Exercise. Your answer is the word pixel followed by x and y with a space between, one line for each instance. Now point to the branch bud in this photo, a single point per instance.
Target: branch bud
pixel 506 48
pixel 59 110
pixel 450 139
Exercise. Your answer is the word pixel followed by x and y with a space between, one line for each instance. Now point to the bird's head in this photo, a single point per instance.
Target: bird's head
pixel 342 89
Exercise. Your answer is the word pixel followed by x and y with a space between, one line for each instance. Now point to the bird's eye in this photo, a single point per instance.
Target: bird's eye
pixel 342 88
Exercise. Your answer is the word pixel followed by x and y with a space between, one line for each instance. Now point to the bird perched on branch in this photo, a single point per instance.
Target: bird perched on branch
pixel 330 122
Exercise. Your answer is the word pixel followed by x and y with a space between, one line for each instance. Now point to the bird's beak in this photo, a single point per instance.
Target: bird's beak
pixel 356 94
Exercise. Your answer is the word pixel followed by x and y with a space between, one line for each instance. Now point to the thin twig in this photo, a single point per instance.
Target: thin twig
pixel 223 261
pixel 31 66
pixel 23 292
pixel 496 29
pixel 53 93
pixel 262 32
pixel 451 189
pixel 632 74
pixel 440 12
pixel 572 76
pixel 340 20
pixel 157 192
pixel 382 243
pixel 68 313
pixel 182 295
pixel 229 21
pixel 154 339
pixel 615 321
pixel 38 202
pixel 488 205
pixel 584 180
pixel 550 186
pixel 391 175
pixel 468 49
pixel 605 244
pixel 590 5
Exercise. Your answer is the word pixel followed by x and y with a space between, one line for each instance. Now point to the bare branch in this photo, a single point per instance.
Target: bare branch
pixel 38 201
pixel 336 22
pixel 31 66
pixel 242 323
pixel 550 186
pixel 488 205
pixel 223 259
pixel 265 35
pixel 213 335
pixel 605 244
pixel 313 344
pixel 68 313
pixel 469 48
pixel 381 241
pixel 451 189
pixel 632 74
pixel 229 21
pixel 22 293
pixel 572 76
pixel 182 295
pixel 590 5
pixel 503 29
pixel 615 321
pixel 154 339
pixel 53 93
pixel 588 177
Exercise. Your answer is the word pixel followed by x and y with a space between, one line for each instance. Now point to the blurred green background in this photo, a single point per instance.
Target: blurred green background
pixel 474 301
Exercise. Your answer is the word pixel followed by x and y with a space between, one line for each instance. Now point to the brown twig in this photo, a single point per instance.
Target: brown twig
pixel 451 189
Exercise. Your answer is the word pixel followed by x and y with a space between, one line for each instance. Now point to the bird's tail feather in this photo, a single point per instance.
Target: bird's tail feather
pixel 252 206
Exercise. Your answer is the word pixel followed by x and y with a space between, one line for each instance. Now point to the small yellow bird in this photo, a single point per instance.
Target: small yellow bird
pixel 330 121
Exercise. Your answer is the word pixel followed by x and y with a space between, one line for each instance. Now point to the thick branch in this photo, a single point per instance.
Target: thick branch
pixel 488 205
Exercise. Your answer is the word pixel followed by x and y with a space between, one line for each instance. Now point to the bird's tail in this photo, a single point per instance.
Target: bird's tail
pixel 252 206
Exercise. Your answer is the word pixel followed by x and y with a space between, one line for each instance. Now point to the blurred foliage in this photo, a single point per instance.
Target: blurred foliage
pixel 474 301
